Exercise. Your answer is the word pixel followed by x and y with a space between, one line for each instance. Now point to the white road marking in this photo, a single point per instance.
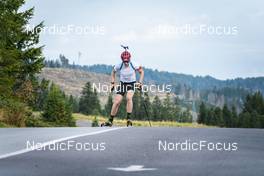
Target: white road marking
pixel 132 168
pixel 55 141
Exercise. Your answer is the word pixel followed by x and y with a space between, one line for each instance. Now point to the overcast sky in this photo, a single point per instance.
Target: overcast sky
pixel 149 28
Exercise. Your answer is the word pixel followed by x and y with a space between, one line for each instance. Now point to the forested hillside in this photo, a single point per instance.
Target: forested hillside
pixel 188 88
pixel 161 77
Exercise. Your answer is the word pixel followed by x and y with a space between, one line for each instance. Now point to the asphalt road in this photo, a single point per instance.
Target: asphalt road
pixel 83 123
pixel 134 151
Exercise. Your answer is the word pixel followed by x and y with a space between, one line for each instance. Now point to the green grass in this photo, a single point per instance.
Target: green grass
pixel 3 125
pixel 120 122
pixel 37 121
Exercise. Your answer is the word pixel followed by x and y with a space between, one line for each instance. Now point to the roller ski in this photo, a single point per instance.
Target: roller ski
pixel 129 123
pixel 107 124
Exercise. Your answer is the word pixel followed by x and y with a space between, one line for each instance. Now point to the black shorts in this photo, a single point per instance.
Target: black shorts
pixel 124 87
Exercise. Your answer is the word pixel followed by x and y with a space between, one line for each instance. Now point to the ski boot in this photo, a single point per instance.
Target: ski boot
pixel 129 123
pixel 107 124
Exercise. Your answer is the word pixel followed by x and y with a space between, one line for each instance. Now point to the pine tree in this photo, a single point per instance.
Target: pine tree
pixel 253 103
pixel 20 59
pixel 148 106
pixel 202 113
pixel 64 61
pixel 253 112
pixel 186 116
pixel 234 121
pixel 211 117
pixel 41 95
pixel 157 109
pixel 244 120
pixel 219 117
pixel 57 109
pixel 74 104
pixel 227 116
pixel 168 108
pixel 108 105
pixel 89 102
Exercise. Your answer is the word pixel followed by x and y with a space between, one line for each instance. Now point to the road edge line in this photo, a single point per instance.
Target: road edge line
pixel 7 155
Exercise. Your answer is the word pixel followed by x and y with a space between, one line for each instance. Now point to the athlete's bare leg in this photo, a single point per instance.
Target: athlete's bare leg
pixel 129 98
pixel 116 104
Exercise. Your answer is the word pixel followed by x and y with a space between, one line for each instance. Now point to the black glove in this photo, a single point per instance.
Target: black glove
pixel 139 86
pixel 112 86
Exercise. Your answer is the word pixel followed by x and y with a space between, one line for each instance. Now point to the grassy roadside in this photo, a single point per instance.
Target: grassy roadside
pixel 120 122
pixel 117 122
pixel 3 125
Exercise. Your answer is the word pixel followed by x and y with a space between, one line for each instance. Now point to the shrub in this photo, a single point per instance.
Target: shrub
pixel 95 122
pixel 57 109
pixel 15 113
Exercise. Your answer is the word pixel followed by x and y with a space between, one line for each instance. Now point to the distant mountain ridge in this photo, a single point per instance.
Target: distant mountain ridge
pixel 187 87
pixel 195 82
pixel 165 77
pixel 72 81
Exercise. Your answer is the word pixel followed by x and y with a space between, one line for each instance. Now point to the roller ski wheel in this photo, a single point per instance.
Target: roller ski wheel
pixel 129 123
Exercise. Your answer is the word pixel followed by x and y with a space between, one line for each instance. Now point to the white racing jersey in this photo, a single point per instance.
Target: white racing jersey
pixel 127 74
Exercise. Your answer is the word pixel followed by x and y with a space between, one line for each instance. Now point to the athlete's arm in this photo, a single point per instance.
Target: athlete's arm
pixel 141 73
pixel 113 80
pixel 113 75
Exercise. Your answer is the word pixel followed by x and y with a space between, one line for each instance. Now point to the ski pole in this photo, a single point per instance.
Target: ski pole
pixel 144 104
